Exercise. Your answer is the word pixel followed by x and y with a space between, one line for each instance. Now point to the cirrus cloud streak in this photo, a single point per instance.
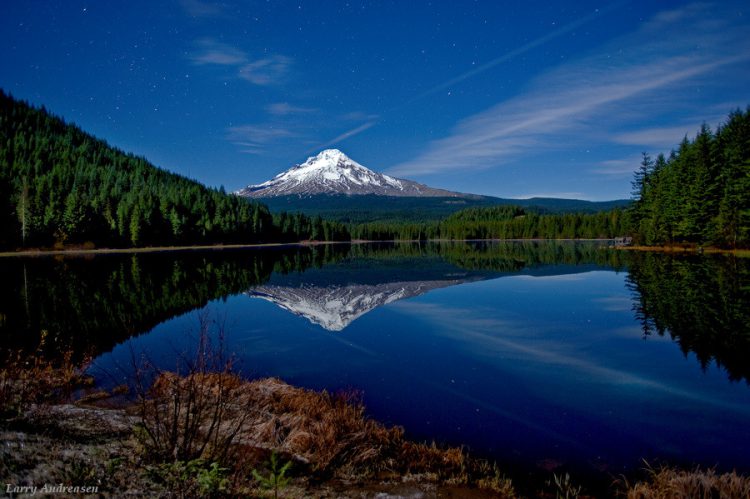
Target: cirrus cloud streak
pixel 268 70
pixel 633 79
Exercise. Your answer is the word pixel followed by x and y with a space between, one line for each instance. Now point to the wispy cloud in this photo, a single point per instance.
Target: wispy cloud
pixel 583 97
pixel 671 17
pixel 659 139
pixel 201 8
pixel 286 109
pixel 253 139
pixel 358 116
pixel 287 121
pixel 210 51
pixel 520 50
pixel 564 195
pixel 617 167
pixel 656 137
pixel 265 71
pixel 343 136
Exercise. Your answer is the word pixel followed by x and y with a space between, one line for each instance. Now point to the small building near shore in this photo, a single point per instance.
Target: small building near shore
pixel 623 241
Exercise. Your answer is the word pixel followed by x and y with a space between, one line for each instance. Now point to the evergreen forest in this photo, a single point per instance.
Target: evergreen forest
pixel 60 186
pixel 699 193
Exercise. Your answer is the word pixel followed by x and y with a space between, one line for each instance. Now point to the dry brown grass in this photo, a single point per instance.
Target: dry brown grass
pixel 329 433
pixel 326 435
pixel 326 431
pixel 27 379
pixel 670 483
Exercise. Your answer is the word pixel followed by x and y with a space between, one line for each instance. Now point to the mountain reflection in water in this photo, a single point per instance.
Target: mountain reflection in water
pixel 335 307
pixel 89 304
pixel 345 290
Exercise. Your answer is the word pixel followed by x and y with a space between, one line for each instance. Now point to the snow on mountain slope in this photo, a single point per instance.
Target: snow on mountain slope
pixel 333 172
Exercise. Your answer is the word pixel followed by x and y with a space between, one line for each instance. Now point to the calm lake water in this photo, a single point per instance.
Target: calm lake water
pixel 537 355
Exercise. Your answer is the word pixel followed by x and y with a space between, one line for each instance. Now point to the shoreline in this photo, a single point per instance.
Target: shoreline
pixel 688 250
pixel 160 249
pixel 220 247
pixel 37 252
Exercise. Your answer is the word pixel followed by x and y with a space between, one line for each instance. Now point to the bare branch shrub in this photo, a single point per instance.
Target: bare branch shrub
pixel 194 412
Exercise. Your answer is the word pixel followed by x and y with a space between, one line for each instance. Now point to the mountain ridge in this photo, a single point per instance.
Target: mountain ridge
pixel 333 172
pixel 334 186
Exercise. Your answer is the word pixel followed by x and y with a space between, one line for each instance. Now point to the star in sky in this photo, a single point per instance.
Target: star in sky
pixel 513 99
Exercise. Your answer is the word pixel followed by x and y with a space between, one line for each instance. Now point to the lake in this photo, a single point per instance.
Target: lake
pixel 539 355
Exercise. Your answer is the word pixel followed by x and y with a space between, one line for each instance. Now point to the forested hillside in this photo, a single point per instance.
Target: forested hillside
pixel 61 186
pixel 700 193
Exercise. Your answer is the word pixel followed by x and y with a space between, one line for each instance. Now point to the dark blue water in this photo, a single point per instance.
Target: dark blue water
pixel 536 363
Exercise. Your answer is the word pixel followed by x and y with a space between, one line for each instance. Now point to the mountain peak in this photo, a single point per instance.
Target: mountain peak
pixel 333 172
pixel 329 158
pixel 330 154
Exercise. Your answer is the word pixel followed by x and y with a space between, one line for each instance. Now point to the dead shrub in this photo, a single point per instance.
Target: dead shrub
pixel 194 413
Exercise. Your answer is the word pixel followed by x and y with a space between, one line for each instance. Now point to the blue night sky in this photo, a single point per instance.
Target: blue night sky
pixel 513 99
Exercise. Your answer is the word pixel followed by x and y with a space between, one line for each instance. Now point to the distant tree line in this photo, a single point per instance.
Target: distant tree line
pixel 62 186
pixel 292 227
pixel 369 208
pixel 700 193
pixel 502 222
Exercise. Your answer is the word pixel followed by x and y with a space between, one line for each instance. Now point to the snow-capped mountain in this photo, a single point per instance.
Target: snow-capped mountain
pixel 333 172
